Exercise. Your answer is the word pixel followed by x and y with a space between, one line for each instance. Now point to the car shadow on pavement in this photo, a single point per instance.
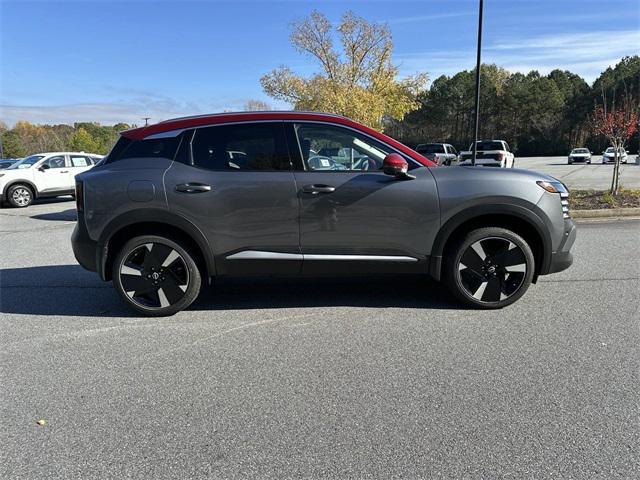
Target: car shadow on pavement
pixel 58 290
pixel 69 290
pixel 371 291
pixel 70 215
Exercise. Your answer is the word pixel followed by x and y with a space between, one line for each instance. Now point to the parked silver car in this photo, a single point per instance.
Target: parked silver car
pixel 579 155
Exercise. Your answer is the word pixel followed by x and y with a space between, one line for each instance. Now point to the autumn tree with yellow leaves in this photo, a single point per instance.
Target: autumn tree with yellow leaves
pixel 359 81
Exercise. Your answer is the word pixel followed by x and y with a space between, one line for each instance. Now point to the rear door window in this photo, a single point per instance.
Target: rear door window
pixel 80 161
pixel 253 146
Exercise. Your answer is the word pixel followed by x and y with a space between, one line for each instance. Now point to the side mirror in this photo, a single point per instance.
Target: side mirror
pixel 44 167
pixel 396 166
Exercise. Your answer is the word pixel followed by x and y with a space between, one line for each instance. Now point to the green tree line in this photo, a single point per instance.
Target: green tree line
pixel 537 114
pixel 26 138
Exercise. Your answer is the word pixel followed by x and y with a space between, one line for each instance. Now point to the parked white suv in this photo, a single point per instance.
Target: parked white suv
pixel 43 175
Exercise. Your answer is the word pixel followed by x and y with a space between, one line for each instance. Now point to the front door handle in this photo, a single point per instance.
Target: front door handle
pixel 316 189
pixel 193 187
pixel 64 171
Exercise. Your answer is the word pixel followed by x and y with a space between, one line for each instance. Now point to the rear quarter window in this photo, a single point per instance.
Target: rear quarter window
pixel 152 148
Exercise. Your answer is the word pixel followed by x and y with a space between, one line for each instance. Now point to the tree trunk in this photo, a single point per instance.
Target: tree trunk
pixel 615 179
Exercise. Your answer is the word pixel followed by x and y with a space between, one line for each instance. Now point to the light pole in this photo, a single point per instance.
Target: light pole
pixel 476 124
pixel 146 120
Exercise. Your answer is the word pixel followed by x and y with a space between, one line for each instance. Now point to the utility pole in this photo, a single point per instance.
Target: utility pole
pixel 476 123
pixel 146 120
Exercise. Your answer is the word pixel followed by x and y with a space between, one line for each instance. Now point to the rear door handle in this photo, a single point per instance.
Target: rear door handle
pixel 315 189
pixel 193 187
pixel 64 171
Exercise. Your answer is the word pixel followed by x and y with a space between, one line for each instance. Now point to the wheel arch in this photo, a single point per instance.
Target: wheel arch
pixel 28 183
pixel 164 223
pixel 519 219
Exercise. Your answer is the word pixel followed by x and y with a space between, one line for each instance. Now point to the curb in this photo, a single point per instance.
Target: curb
pixel 606 213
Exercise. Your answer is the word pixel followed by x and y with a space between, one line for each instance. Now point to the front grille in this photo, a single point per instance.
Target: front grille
pixel 564 199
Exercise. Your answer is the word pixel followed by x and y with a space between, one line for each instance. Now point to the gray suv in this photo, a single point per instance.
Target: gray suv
pixel 180 202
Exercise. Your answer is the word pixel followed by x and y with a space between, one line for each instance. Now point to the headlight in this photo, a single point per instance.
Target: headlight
pixel 553 187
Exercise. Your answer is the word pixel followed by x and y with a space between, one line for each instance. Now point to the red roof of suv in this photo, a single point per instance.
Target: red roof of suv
pixel 218 118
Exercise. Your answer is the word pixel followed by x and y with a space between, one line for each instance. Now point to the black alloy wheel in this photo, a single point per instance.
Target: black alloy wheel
pixel 156 276
pixel 491 268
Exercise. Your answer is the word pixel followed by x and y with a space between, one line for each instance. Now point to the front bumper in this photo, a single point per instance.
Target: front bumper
pixel 562 258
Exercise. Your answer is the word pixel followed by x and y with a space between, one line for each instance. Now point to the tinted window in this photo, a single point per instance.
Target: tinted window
pixel 338 148
pixel 120 146
pixel 488 145
pixel 158 148
pixel 430 148
pixel 256 146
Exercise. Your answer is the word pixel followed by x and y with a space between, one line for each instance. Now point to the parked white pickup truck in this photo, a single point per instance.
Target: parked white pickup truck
pixel 490 153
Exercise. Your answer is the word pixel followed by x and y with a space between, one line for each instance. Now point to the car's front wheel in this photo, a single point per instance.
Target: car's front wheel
pixel 19 196
pixel 156 276
pixel 490 268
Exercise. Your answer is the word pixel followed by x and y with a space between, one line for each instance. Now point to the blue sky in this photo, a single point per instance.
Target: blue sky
pixel 122 60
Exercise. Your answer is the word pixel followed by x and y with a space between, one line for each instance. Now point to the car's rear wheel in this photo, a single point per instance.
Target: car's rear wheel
pixel 490 268
pixel 156 276
pixel 19 196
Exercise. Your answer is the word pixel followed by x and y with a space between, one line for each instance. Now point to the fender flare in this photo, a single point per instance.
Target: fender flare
pixel 525 213
pixel 11 183
pixel 152 215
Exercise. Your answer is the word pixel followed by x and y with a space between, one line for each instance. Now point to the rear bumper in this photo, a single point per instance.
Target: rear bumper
pixel 84 248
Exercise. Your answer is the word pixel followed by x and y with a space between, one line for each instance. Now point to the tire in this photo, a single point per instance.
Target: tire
pixel 19 195
pixel 167 278
pixel 569 162
pixel 498 279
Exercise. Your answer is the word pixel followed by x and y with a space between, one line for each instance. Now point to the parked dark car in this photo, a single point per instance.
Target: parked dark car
pixel 7 162
pixel 172 207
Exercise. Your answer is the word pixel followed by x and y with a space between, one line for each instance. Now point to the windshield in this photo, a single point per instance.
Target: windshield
pixel 430 148
pixel 26 162
pixel 488 145
pixel 580 150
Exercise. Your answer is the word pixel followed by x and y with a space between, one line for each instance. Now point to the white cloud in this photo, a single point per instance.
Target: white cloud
pixel 424 18
pixel 109 113
pixel 587 54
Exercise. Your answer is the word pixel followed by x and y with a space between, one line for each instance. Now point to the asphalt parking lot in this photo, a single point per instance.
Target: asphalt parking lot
pixel 581 175
pixel 359 378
